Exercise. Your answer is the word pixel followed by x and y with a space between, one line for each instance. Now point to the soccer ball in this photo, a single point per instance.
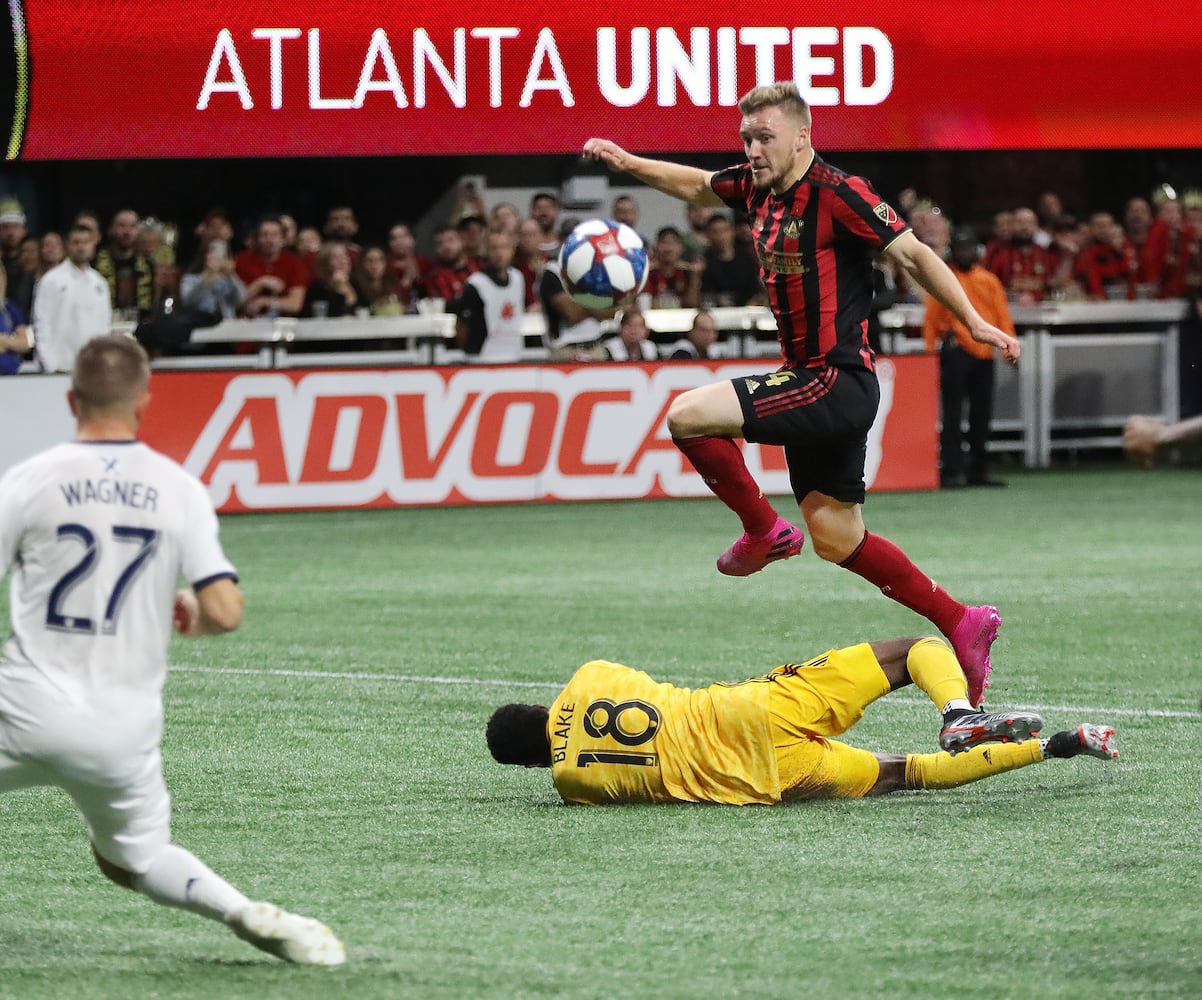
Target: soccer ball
pixel 603 262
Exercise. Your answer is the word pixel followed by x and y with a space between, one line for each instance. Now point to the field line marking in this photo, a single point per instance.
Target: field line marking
pixel 1156 713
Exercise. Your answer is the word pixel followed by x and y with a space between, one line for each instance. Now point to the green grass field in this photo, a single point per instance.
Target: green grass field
pixel 329 756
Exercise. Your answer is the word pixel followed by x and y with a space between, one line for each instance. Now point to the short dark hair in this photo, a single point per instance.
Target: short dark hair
pixel 540 195
pixel 110 373
pixel 668 231
pixel 517 734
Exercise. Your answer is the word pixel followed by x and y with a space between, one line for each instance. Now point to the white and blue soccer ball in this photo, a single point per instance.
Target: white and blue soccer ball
pixel 603 262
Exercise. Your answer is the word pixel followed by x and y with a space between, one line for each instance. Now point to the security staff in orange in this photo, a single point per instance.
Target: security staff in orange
pixel 966 368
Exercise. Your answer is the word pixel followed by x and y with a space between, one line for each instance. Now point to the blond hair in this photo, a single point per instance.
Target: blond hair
pixel 110 373
pixel 784 95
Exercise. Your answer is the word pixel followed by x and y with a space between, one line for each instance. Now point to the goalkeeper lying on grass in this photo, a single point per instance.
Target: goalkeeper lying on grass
pixel 615 735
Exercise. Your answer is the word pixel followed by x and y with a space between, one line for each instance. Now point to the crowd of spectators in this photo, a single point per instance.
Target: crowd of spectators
pixel 1043 253
pixel 277 268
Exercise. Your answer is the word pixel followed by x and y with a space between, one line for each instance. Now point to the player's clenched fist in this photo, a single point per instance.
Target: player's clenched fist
pixel 609 153
pixel 185 616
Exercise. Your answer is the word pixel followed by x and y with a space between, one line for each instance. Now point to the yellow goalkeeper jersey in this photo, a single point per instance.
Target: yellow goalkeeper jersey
pixel 619 736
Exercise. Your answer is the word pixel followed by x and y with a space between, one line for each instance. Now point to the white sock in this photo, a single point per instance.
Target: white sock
pixel 957 705
pixel 178 878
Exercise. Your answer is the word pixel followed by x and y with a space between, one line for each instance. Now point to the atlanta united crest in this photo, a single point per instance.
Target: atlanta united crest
pixel 793 226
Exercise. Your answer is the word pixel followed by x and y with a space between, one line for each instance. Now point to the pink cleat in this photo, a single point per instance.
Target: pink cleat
pixel 971 640
pixel 750 555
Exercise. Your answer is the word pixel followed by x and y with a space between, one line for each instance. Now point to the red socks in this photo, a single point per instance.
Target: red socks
pixel 719 461
pixel 883 564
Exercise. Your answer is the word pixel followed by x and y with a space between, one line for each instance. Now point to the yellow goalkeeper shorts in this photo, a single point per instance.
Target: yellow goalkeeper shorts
pixel 810 702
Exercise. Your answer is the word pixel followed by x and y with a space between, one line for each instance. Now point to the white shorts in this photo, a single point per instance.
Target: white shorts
pixel 102 750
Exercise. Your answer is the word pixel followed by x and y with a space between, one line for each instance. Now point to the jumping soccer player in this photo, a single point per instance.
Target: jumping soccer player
pixel 816 229
pixel 98 531
pixel 615 735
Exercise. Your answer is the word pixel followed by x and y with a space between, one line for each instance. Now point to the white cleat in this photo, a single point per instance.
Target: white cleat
pixel 286 935
pixel 1088 739
pixel 1098 741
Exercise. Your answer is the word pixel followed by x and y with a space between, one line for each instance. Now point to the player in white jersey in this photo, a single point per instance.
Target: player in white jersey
pixel 97 533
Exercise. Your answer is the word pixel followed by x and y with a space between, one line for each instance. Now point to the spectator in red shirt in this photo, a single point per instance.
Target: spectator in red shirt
pixel 1107 267
pixel 1137 221
pixel 1003 229
pixel 405 263
pixel 1193 243
pixel 1191 201
pixel 1022 265
pixel 670 281
pixel 451 266
pixel 275 279
pixel 1165 259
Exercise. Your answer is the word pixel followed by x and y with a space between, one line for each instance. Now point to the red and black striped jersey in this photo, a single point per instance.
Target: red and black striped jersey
pixel 815 245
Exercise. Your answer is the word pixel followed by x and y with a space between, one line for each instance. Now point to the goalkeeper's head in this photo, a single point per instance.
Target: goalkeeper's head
pixel 517 734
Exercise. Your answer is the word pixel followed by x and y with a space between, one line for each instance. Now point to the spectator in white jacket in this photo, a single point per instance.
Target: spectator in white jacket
pixel 70 305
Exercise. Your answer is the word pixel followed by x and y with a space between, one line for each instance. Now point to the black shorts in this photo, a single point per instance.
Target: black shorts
pixel 821 416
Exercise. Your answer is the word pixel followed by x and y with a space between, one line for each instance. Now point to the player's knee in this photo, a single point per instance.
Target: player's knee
pixel 834 534
pixel 115 873
pixel 831 540
pixel 684 417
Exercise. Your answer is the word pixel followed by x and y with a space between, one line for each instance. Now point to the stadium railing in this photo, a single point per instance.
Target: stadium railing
pixel 1086 367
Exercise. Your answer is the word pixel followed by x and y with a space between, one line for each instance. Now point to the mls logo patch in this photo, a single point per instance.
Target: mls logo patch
pixel 793 227
pixel 885 214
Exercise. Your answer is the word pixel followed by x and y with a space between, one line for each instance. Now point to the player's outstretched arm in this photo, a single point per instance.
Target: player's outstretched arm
pixel 923 265
pixel 689 184
pixel 1146 438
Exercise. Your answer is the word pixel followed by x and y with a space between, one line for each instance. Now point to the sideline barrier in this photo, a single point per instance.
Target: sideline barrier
pixel 1086 367
pixel 305 439
pixel 339 438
